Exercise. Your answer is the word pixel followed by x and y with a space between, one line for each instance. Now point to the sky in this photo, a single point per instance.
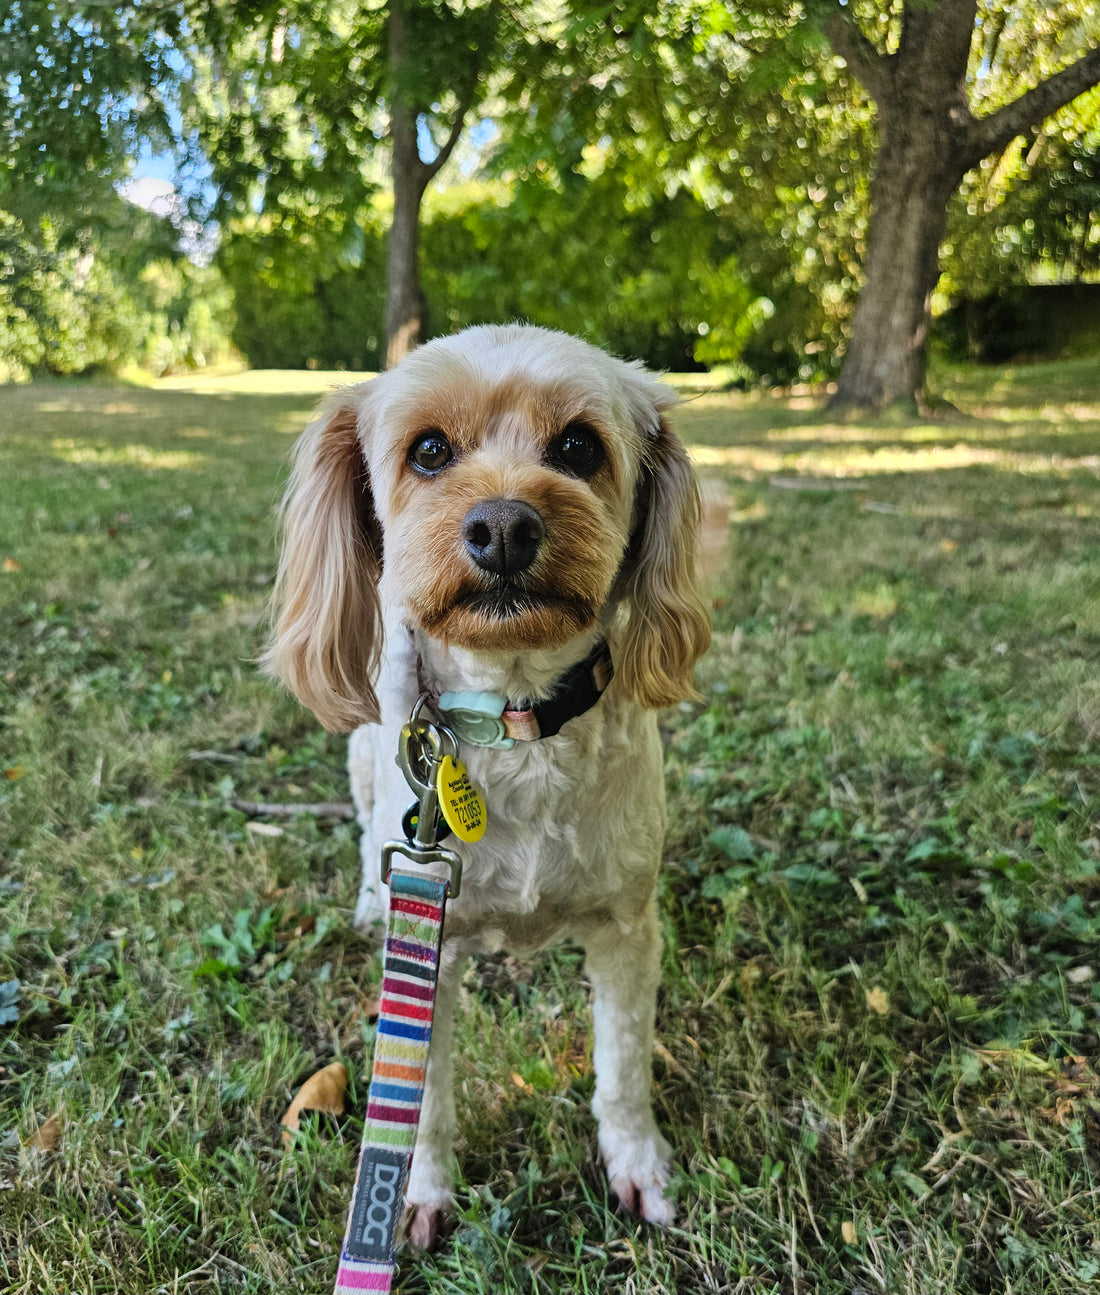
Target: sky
pixel 152 186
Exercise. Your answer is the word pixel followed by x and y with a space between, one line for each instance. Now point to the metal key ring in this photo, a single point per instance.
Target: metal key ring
pixel 442 730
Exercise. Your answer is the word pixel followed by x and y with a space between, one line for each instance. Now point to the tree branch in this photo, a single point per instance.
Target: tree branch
pixel 873 69
pixel 440 159
pixel 342 809
pixel 990 134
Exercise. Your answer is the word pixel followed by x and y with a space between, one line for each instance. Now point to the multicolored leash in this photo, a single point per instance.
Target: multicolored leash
pixel 397 1082
pixel 428 756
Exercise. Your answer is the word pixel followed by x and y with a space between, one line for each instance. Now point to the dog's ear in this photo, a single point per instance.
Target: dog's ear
pixel 326 639
pixel 668 628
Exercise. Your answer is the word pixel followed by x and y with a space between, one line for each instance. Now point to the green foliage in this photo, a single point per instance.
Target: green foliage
pixel 660 282
pixel 101 287
pixel 309 289
pixel 1040 320
pixel 80 314
pixel 20 344
pixel 79 84
pixel 9 1002
pixel 289 102
pixel 1034 213
pixel 89 282
pixel 720 156
pixel 743 109
pixel 662 286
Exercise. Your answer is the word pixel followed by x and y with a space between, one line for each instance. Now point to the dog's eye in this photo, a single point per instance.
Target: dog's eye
pixel 430 453
pixel 578 451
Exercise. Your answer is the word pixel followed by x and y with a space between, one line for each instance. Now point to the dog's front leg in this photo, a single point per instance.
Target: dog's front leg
pixel 624 968
pixel 430 1180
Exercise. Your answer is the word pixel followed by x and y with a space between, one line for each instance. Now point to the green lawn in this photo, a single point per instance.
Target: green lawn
pixel 879 1023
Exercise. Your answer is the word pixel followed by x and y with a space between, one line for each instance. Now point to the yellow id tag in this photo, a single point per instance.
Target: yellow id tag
pixel 460 802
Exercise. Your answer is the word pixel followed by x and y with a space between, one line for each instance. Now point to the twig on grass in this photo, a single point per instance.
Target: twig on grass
pixel 341 809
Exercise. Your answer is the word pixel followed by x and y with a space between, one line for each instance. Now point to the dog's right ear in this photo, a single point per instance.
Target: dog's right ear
pixel 326 638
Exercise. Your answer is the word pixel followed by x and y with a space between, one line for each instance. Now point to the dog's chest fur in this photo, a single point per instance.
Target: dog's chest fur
pixel 572 820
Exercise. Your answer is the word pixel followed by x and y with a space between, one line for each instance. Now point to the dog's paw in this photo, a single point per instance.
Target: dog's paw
pixel 646 1200
pixel 425 1225
pixel 638 1172
pixel 428 1199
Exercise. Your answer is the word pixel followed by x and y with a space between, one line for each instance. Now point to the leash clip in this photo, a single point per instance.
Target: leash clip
pixel 420 753
pixel 417 854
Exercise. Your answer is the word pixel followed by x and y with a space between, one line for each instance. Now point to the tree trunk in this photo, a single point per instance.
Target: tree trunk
pixel 886 359
pixel 929 139
pixel 923 116
pixel 404 296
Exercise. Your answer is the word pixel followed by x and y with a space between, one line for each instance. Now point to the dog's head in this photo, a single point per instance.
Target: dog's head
pixel 504 489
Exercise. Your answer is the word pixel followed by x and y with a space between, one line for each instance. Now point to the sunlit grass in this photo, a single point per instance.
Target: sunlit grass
pixel 68 450
pixel 264 382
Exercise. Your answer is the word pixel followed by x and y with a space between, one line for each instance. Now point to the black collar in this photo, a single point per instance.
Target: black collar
pixel 577 691
pixel 487 719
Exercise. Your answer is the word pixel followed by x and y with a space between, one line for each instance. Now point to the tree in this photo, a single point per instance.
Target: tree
pixel 426 46
pixel 294 102
pixel 88 281
pixel 80 83
pixel 744 108
pixel 924 63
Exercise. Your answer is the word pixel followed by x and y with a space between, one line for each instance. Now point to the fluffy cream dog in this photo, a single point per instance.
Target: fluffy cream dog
pixel 483 517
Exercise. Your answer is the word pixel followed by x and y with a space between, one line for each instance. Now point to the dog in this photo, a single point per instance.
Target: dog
pixel 507 512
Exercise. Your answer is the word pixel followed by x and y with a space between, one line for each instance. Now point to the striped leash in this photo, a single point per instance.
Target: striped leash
pixel 414 937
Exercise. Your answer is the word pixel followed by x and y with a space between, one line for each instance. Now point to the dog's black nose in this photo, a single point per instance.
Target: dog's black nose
pixel 503 535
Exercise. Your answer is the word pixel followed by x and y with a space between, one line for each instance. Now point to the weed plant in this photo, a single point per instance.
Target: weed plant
pixel 878 1022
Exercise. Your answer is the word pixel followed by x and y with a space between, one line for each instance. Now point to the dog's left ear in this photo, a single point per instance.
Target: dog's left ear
pixel 326 639
pixel 669 627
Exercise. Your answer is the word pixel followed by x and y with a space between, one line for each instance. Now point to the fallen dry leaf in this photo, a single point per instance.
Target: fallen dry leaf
pixel 1063 1110
pixel 11 565
pixel 46 1138
pixel 878 1000
pixel 1076 1076
pixel 849 1233
pixel 296 925
pixel 323 1091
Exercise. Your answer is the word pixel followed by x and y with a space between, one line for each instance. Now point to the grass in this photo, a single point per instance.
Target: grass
pixel 878 1025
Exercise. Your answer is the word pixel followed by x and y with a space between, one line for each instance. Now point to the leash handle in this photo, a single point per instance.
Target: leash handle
pixel 410 973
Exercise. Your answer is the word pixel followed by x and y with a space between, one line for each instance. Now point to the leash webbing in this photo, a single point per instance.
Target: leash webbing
pixel 410 973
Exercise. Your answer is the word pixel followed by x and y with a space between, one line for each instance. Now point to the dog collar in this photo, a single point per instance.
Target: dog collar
pixel 487 719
